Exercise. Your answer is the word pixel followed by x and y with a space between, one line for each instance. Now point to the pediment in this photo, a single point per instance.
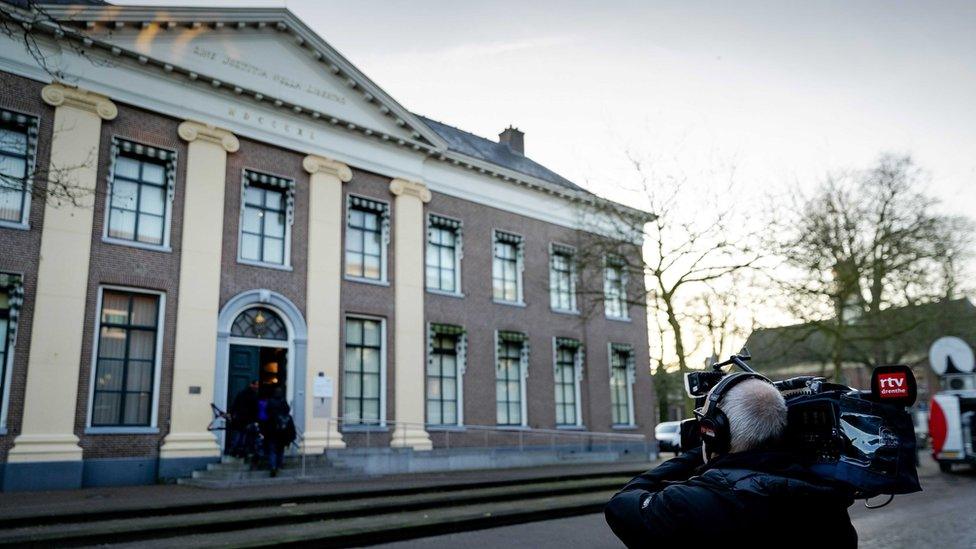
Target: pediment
pixel 273 54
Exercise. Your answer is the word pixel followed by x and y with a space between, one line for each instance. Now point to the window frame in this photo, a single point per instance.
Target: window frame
pixel 460 362
pixel 360 425
pixel 519 244
pixel 15 297
pixel 629 373
pixel 555 249
pixel 141 152
pixel 381 209
pixel 523 374
pixel 31 127
pixel 578 364
pixel 444 223
pixel 618 264
pixel 275 183
pixel 153 426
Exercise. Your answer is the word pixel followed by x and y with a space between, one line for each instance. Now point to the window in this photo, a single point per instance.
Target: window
pixel 363 375
pixel 11 299
pixel 125 365
pixel 18 143
pixel 443 254
pixel 141 182
pixel 562 278
pixel 444 368
pixel 510 369
pixel 367 232
pixel 506 268
pixel 568 370
pixel 615 288
pixel 621 381
pixel 266 218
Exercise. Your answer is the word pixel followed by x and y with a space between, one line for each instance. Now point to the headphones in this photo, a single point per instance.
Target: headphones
pixel 712 422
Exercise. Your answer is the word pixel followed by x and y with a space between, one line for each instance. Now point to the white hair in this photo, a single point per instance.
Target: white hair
pixel 756 412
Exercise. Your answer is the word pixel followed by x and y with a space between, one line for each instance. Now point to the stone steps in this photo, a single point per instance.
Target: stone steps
pixel 333 520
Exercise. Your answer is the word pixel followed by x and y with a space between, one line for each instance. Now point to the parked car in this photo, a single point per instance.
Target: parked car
pixel 668 435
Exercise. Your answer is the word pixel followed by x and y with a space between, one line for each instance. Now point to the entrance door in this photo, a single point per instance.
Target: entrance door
pixel 245 365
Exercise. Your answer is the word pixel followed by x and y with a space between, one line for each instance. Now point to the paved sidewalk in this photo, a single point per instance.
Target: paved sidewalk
pixel 97 500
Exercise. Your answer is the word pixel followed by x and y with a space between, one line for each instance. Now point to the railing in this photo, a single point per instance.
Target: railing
pixel 370 434
pixel 375 434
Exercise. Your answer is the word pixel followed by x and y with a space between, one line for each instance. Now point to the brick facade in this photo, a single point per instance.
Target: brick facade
pixel 127 266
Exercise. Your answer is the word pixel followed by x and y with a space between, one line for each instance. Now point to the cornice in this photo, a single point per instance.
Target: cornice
pixel 280 19
pixel 191 131
pixel 314 163
pixel 416 189
pixel 284 21
pixel 59 94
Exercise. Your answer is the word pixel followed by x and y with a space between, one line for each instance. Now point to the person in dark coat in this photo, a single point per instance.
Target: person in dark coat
pixel 243 412
pixel 755 492
pixel 278 429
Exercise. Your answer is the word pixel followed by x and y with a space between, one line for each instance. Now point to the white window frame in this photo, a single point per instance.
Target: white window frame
pixel 9 357
pixel 458 254
pixel 578 362
pixel 563 249
pixel 289 198
pixel 157 374
pixel 617 263
pixel 519 268
pixel 630 372
pixel 523 382
pixel 147 151
pixel 33 128
pixel 384 216
pixel 461 358
pixel 354 427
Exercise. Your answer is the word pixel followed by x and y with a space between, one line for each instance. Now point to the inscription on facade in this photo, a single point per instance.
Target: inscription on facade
pixel 271 123
pixel 260 72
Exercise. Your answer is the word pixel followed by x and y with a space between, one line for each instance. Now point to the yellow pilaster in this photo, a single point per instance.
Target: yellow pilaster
pixel 323 312
pixel 409 333
pixel 51 394
pixel 199 298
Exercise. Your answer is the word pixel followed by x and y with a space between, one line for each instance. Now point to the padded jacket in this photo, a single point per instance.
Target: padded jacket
pixel 760 498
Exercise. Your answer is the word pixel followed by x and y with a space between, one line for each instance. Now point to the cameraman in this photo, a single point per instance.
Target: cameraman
pixel 743 487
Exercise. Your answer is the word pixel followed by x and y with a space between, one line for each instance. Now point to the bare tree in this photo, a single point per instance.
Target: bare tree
pixel 692 244
pixel 862 258
pixel 45 39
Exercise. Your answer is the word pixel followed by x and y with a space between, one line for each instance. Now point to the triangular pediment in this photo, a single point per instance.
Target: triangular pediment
pixel 267 53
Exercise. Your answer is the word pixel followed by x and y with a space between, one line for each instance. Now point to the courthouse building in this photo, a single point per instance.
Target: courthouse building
pixel 225 197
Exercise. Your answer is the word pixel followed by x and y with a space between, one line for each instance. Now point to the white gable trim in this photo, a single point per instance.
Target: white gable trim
pixel 237 18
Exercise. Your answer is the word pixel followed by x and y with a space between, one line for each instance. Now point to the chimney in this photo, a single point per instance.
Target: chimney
pixel 514 138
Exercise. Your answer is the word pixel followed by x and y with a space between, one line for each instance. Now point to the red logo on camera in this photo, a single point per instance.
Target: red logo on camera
pixel 893 385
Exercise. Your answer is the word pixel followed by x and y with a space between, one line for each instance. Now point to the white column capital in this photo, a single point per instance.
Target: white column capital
pixel 59 94
pixel 404 187
pixel 314 164
pixel 191 131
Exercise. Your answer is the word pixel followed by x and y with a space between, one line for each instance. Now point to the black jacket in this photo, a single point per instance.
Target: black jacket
pixel 278 427
pixel 760 498
pixel 244 409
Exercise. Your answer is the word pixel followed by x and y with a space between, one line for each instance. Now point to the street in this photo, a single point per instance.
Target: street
pixel 939 516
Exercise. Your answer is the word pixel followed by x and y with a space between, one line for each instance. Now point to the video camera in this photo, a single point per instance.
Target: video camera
pixel 864 439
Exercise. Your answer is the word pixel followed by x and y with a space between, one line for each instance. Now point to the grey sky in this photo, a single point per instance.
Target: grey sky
pixel 785 90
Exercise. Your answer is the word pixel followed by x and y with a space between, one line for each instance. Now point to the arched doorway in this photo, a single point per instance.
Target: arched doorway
pixel 258 351
pixel 261 335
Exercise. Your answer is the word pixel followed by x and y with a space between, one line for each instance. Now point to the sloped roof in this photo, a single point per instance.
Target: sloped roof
pixel 785 346
pixel 497 153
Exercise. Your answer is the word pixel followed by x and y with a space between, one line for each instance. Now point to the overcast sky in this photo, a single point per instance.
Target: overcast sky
pixel 784 90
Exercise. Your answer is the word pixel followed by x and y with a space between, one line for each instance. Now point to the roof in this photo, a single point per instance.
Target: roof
pixel 916 328
pixel 497 153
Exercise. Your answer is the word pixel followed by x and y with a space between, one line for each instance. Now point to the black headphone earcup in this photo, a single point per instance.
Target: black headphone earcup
pixel 722 435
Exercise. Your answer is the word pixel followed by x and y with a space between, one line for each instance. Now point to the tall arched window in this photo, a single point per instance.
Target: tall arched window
pixel 259 323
